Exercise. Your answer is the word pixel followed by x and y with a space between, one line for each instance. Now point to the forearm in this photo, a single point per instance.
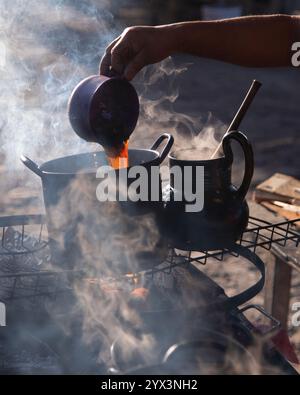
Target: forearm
pixel 258 41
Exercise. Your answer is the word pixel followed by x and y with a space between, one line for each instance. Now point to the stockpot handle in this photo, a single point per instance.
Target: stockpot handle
pixel 31 165
pixel 249 159
pixel 164 152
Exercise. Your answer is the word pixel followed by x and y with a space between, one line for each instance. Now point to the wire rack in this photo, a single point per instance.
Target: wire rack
pixel 23 242
pixel 259 233
pixel 26 271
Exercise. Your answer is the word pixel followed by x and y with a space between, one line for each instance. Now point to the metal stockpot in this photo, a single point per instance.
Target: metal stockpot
pixel 75 215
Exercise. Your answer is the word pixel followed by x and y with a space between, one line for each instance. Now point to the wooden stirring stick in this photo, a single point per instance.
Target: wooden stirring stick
pixel 241 112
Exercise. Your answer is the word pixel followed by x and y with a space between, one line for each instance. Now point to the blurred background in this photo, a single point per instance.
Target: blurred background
pixel 158 12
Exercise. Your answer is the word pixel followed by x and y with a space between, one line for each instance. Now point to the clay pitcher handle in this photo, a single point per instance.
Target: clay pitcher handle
pixel 249 159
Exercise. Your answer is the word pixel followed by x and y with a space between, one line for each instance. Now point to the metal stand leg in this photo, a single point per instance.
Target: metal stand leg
pixel 277 290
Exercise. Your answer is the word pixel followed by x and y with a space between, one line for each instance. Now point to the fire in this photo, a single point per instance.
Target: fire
pixel 120 160
pixel 134 277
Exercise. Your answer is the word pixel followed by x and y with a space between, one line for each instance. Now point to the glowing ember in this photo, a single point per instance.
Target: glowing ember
pixel 140 293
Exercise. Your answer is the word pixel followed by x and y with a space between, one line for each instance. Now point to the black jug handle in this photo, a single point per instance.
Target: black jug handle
pixel 249 159
pixel 164 152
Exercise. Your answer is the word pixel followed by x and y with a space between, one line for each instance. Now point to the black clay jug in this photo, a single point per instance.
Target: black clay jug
pixel 104 110
pixel 224 215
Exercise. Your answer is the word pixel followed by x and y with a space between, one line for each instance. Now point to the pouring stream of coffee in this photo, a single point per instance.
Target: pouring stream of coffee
pixel 118 160
pixel 239 116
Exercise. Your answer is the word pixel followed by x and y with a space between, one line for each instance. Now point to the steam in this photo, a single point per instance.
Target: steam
pixel 47 47
pixel 158 88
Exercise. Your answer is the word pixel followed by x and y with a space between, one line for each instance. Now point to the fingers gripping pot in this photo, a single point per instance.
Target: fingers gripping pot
pixel 82 228
pixel 225 212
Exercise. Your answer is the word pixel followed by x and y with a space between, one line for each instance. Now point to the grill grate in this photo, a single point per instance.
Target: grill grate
pixel 22 243
pixel 259 233
pixel 25 263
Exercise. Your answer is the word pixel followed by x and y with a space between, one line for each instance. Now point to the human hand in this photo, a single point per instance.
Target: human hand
pixel 135 48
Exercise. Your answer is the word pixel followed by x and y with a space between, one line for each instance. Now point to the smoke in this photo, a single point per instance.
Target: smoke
pixel 46 49
pixel 105 241
pixel 160 88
